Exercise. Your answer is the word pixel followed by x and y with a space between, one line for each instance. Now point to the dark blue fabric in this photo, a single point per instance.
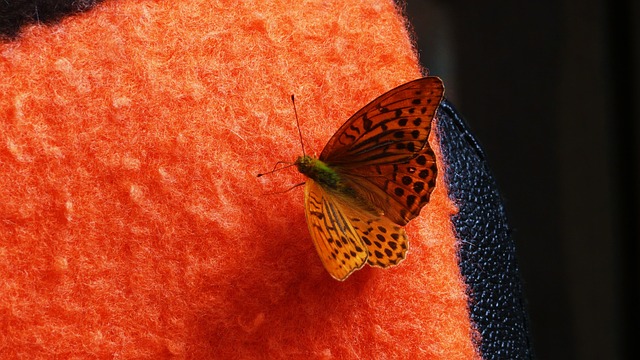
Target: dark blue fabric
pixel 15 14
pixel 487 252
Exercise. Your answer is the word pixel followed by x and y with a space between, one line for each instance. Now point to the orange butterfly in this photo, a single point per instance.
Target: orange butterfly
pixel 372 178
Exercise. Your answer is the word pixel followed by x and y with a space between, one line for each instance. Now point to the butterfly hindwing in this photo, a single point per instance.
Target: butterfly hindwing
pixel 337 242
pixel 386 241
pixel 390 129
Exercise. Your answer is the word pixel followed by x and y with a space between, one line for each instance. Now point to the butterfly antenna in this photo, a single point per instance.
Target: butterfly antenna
pixel 295 111
pixel 275 168
pixel 286 191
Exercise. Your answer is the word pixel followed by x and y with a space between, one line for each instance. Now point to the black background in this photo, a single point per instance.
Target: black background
pixel 550 90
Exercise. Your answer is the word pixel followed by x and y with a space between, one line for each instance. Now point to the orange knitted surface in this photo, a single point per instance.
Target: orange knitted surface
pixel 132 223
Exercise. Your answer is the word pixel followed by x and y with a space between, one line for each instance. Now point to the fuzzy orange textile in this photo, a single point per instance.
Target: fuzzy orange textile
pixel 132 223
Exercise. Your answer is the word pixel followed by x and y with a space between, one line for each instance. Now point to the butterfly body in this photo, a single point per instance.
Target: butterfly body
pixel 374 176
pixel 329 179
pixel 320 172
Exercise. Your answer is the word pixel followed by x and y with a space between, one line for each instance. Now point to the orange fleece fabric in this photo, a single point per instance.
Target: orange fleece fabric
pixel 132 223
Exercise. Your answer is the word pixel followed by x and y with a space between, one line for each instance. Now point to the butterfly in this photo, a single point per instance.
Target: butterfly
pixel 374 176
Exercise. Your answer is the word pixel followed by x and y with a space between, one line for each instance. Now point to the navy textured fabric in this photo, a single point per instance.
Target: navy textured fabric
pixel 487 253
pixel 14 14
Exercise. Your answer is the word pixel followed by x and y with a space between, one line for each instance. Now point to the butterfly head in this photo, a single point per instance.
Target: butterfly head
pixel 306 165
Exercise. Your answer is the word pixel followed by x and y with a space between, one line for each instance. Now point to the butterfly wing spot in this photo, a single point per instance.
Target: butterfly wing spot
pixel 366 125
pixel 421 160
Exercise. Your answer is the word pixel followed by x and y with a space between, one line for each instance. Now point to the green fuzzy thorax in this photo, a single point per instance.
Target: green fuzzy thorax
pixel 329 179
pixel 319 172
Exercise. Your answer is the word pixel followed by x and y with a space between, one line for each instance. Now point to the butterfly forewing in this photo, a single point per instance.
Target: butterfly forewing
pixel 383 153
pixel 390 129
pixel 337 242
